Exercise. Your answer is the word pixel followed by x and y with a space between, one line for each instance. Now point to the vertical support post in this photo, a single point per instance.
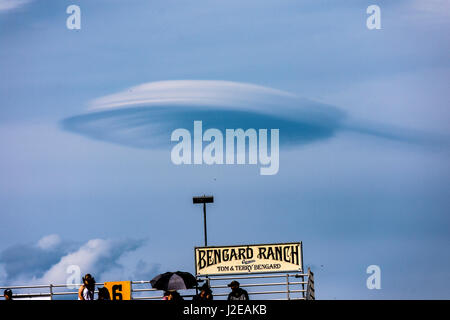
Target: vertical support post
pixel 196 286
pixel 51 291
pixel 204 223
pixel 204 200
pixel 287 287
pixel 206 235
pixel 303 286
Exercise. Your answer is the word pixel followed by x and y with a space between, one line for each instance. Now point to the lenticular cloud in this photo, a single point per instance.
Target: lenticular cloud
pixel 144 116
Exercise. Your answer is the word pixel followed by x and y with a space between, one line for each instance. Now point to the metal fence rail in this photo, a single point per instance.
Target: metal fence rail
pixel 293 287
pixel 289 289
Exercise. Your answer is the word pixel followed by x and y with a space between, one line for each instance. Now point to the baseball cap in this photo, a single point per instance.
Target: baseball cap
pixel 233 283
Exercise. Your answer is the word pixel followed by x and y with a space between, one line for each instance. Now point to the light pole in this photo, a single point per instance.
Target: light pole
pixel 204 199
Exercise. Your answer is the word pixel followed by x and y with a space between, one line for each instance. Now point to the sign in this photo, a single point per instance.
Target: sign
pixel 258 258
pixel 119 290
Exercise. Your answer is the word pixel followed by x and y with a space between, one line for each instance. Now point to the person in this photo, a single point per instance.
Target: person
pixel 236 292
pixel 172 295
pixel 7 294
pixel 103 294
pixel 86 291
pixel 205 294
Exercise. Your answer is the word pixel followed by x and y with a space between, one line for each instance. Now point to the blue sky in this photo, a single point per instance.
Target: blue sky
pixel 354 199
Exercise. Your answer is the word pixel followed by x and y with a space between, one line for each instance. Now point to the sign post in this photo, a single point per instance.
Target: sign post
pixel 204 199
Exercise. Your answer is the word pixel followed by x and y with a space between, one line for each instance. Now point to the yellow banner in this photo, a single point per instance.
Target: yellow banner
pixel 119 290
pixel 258 258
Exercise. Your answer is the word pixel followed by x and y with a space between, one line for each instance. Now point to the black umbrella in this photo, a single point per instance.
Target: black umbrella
pixel 174 281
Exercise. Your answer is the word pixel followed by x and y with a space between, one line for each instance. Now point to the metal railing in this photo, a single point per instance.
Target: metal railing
pixel 289 289
pixel 294 286
pixel 52 291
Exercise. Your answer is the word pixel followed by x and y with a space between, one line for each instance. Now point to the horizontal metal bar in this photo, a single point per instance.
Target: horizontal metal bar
pixel 64 293
pixel 26 287
pixel 261 284
pixel 74 285
pixel 147 298
pixel 154 297
pixel 69 285
pixel 154 290
pixel 256 277
pixel 289 299
pixel 273 292
pixel 144 290
pixel 19 295
pixel 263 292
pixel 48 286
pixel 140 282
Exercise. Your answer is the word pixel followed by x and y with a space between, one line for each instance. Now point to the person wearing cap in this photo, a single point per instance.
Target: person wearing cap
pixel 86 291
pixel 236 292
pixel 7 294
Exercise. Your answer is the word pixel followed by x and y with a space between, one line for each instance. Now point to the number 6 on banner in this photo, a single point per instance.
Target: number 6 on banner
pixel 119 290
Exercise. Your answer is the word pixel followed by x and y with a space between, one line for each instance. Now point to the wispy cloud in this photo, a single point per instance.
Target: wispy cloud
pixel 6 5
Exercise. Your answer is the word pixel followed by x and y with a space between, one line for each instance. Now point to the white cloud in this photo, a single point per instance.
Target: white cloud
pixel 12 4
pixel 95 257
pixel 49 242
pixel 143 116
pixel 211 93
pixel 48 260
pixel 86 258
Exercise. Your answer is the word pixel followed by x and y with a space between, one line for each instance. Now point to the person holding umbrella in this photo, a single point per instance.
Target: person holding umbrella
pixel 170 282
pixel 172 295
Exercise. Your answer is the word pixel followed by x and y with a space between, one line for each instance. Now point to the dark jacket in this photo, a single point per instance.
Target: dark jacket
pixel 239 294
pixel 208 296
pixel 176 296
